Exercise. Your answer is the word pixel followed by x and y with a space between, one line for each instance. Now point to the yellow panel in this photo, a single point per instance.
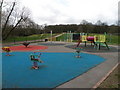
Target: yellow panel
pixel 49 39
pixel 102 38
pixel 95 38
pixel 53 38
pixel 99 38
pixel 84 38
pixel 69 40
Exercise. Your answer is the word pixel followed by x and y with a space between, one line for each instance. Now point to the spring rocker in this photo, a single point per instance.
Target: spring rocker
pixel 26 43
pixel 78 50
pixel 7 50
pixel 35 59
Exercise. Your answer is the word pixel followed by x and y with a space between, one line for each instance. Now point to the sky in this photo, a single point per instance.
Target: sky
pixel 52 12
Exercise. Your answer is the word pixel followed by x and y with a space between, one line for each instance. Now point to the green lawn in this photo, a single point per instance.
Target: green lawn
pixel 114 40
pixel 27 38
pixel 61 38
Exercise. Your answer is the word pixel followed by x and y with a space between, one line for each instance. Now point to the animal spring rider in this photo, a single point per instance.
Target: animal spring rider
pixel 35 59
pixel 26 44
pixel 78 52
pixel 7 50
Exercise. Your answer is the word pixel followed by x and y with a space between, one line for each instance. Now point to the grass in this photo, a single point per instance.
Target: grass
pixel 114 40
pixel 61 38
pixel 27 38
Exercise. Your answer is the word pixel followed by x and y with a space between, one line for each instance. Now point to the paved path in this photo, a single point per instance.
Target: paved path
pixel 57 48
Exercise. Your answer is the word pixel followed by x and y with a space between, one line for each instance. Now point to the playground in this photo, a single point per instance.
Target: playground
pixel 64 64
pixel 54 44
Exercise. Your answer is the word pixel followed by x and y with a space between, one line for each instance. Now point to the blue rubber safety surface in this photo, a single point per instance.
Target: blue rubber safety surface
pixel 57 69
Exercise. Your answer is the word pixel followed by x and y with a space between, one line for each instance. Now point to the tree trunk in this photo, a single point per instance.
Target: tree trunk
pixel 6 35
pixel 4 27
pixel 1 19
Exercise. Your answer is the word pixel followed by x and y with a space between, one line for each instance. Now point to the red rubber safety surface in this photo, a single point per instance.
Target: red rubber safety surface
pixel 29 48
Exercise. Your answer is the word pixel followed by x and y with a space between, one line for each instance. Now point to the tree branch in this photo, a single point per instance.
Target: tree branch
pixel 5 37
pixel 4 27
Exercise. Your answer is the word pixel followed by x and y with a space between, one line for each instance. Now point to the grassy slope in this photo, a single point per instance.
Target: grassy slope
pixel 110 39
pixel 31 37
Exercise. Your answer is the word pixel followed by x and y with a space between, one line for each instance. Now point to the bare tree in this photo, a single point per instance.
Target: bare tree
pixel 14 17
pixel 84 22
pixel 99 23
pixel 1 3
pixel 4 27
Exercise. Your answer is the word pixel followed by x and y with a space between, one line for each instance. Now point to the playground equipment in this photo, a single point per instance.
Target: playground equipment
pixel 35 59
pixel 78 50
pixel 26 44
pixel 52 39
pixel 67 37
pixel 86 38
pixel 98 40
pixel 7 50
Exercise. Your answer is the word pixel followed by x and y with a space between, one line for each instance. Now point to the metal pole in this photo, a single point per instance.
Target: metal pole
pixel 51 36
pixel 70 36
pixel 67 36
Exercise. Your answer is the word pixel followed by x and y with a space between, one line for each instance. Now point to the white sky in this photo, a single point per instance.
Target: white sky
pixel 72 11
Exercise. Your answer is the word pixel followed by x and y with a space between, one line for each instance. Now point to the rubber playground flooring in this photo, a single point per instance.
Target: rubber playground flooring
pixel 58 68
pixel 29 48
pixel 91 49
pixel 51 44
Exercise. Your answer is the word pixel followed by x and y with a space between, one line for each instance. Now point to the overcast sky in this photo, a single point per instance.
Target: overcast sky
pixel 72 11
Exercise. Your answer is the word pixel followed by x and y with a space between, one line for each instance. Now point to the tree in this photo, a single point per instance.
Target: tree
pixel 98 23
pixel 113 29
pixel 84 22
pixel 14 17
pixel 100 27
pixel 1 18
pixel 85 26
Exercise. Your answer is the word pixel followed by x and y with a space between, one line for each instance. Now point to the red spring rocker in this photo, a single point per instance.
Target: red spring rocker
pixel 7 50
pixel 35 59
